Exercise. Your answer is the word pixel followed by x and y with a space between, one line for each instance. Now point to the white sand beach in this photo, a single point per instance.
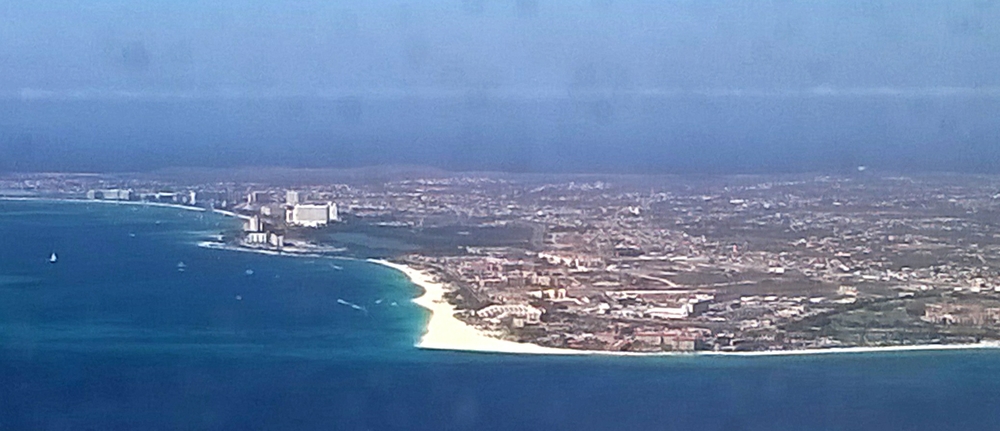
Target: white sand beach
pixel 231 214
pixel 102 201
pixel 445 332
pixel 140 203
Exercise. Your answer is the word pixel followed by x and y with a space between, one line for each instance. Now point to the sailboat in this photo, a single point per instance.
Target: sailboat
pixel 53 258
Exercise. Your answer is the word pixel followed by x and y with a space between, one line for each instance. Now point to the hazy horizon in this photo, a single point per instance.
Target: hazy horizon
pixel 600 86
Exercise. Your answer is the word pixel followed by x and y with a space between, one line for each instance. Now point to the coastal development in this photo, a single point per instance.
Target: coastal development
pixel 635 264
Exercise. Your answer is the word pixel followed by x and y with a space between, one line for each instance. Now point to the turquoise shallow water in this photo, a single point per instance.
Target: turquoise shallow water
pixel 113 336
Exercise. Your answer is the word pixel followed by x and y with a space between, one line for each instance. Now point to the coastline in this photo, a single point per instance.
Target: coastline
pixel 139 203
pixel 445 332
pixel 230 214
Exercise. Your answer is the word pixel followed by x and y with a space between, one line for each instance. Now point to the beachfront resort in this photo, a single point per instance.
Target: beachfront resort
pixel 635 265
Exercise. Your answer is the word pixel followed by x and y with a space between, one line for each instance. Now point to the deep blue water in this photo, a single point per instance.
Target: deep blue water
pixel 585 134
pixel 113 336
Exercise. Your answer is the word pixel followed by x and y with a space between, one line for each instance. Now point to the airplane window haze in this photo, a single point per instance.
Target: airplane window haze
pixel 525 86
pixel 720 215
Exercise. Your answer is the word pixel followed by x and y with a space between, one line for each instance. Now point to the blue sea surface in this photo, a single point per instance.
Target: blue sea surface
pixel 614 134
pixel 115 336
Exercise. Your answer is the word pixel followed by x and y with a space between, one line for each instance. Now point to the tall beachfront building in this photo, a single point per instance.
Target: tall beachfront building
pixel 312 215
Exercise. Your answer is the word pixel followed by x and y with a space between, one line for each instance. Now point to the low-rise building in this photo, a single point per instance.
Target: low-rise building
pixel 672 340
pixel 531 315
pixel 256 238
pixel 110 194
pixel 253 224
pixel 961 314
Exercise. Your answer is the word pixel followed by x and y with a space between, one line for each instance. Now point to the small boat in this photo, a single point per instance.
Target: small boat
pixel 53 258
pixel 352 305
pixel 181 266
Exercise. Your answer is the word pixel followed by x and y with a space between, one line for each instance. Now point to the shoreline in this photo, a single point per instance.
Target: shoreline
pixel 137 203
pixel 230 214
pixel 446 332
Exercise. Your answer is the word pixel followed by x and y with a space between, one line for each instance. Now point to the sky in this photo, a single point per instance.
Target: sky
pixel 520 85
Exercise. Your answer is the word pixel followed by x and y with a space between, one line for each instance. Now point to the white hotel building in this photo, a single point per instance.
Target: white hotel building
pixel 311 215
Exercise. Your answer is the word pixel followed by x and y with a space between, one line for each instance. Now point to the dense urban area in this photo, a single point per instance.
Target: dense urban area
pixel 642 264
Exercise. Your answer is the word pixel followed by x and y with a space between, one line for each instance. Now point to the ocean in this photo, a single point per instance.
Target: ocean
pixel 614 134
pixel 119 335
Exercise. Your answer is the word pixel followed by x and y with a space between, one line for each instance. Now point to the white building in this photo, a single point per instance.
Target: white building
pixel 254 224
pixel 110 194
pixel 256 238
pixel 528 313
pixel 292 197
pixel 312 215
pixel 680 312
pixel 276 240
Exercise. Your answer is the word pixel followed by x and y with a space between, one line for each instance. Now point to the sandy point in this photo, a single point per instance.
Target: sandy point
pixel 445 332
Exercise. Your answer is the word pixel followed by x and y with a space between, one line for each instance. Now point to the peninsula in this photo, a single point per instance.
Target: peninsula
pixel 630 264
